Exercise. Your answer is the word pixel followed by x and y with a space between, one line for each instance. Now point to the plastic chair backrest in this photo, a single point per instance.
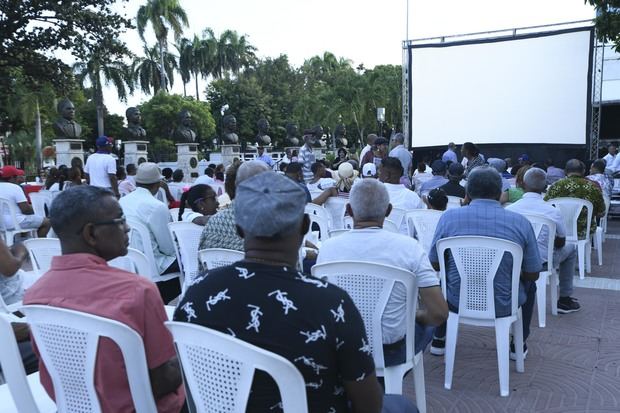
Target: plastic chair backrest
pixel 218 370
pixel 369 285
pixel 454 202
pixel 571 208
pixel 135 261
pixel 397 215
pixel 212 258
pixel 336 207
pixel 67 341
pixel 477 260
pixel 41 251
pixel 422 223
pixel 8 208
pixel 320 216
pixel 174 213
pixel 390 226
pixel 39 201
pixel 540 223
pixel 140 239
pixel 186 238
pixel 161 196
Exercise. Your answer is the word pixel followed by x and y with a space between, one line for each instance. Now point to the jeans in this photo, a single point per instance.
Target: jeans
pixel 395 403
pixel 396 353
pixel 566 258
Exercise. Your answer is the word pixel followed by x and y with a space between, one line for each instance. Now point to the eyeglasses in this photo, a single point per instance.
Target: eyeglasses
pixel 204 199
pixel 122 220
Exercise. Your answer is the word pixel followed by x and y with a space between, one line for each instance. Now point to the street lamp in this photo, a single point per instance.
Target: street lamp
pixel 380 120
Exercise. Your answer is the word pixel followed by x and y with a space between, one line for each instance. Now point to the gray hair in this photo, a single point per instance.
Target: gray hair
pixel 498 164
pixel 399 137
pixel 535 180
pixel 484 182
pixel 75 207
pixel 575 166
pixel 369 200
pixel 249 169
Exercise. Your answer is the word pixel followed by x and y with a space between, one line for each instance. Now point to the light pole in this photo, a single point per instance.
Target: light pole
pixel 380 120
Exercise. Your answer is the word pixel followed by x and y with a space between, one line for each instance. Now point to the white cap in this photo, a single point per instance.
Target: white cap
pixel 369 170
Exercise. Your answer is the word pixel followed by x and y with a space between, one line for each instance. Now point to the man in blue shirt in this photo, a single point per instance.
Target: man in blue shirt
pixel 265 157
pixel 485 217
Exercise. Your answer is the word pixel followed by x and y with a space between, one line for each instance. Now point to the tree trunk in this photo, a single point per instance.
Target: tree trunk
pixel 38 141
pixel 196 79
pixel 100 108
pixel 162 73
pixel 184 91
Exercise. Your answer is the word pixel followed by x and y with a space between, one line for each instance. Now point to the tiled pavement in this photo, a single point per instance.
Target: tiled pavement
pixel 573 363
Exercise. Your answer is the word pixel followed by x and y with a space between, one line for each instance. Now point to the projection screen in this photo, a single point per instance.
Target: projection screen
pixel 533 88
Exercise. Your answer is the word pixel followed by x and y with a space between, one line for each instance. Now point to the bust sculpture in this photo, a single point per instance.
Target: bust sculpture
pixel 184 133
pixel 291 134
pixel 262 138
pixel 318 132
pixel 340 136
pixel 229 134
pixel 134 131
pixel 65 127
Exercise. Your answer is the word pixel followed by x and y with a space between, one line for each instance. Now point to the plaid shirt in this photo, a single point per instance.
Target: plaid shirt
pixel 221 232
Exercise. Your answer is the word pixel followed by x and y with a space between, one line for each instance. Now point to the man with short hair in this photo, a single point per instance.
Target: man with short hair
pixel 471 153
pixel 400 197
pixel 399 151
pixel 453 187
pixel 564 255
pixel 207 178
pixel 576 186
pixel 612 152
pixel 266 302
pixel 294 171
pixel 450 154
pixel 484 216
pixel 11 191
pixel 177 184
pixel 306 155
pixel 438 179
pixel 92 230
pixel 370 141
pixel 100 168
pixel 378 153
pixel 500 166
pixel 554 174
pixel 262 156
pixel 369 204
pixel 597 175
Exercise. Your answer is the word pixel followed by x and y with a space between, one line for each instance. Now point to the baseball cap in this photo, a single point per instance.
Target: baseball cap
pixel 148 173
pixel 103 141
pixel 381 141
pixel 9 171
pixel 369 170
pixel 268 204
pixel 456 169
pixel 438 166
pixel 523 157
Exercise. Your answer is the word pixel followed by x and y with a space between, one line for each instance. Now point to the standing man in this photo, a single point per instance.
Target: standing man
pixel 100 168
pixel 378 153
pixel 306 155
pixel 370 141
pixel 450 154
pixel 471 153
pixel 612 152
pixel 265 157
pixel 399 151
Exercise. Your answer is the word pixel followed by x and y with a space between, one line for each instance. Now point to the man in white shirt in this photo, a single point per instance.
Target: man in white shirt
pixel 206 179
pixel 401 153
pixel 100 168
pixel 612 151
pixel 177 184
pixel 370 141
pixel 142 206
pixel 24 214
pixel 369 204
pixel 400 197
pixel 564 255
pixel 450 154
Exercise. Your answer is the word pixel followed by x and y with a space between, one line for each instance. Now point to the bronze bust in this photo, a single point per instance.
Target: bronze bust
pixel 263 128
pixel 65 127
pixel 340 136
pixel 134 131
pixel 229 134
pixel 291 134
pixel 184 133
pixel 319 141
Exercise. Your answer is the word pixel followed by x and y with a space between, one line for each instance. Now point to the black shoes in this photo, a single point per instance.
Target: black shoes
pixel 438 346
pixel 568 305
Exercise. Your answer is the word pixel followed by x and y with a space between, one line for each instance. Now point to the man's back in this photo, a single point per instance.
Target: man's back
pixel 311 323
pixel 84 282
pixel 13 193
pixel 403 156
pixel 98 167
pixel 401 197
pixel 452 188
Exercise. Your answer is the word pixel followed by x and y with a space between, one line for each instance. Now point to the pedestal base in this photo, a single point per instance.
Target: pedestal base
pixel 187 160
pixel 230 152
pixel 136 152
pixel 68 151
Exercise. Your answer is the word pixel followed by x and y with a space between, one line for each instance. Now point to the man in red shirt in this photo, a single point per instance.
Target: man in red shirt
pixel 91 227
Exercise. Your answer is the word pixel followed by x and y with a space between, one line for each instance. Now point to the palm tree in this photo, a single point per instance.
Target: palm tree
pixel 196 57
pixel 233 54
pixel 146 71
pixel 163 15
pixel 184 62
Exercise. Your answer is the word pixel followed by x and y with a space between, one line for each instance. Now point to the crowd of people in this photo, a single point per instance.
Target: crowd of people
pixel 270 299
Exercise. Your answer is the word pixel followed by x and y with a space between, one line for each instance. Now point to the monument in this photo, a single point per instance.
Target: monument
pixel 291 140
pixel 134 130
pixel 262 138
pixel 229 133
pixel 67 143
pixel 340 136
pixel 184 133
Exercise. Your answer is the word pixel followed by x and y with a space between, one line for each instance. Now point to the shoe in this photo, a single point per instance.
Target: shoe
pixel 513 353
pixel 568 305
pixel 438 346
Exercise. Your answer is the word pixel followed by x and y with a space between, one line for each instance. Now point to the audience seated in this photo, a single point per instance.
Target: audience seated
pixel 401 153
pixel 453 187
pixel 207 178
pixel 125 186
pixel 554 173
pixel 346 177
pixel 485 217
pixel 438 179
pixel 514 194
pixel 597 175
pixel 500 166
pixel 177 185
pixel 400 197
pixel 471 153
pixel 369 204
pixel 437 199
pixel 264 300
pixel 564 255
pixel 198 205
pixel 421 174
pixel 91 227
pixel 321 179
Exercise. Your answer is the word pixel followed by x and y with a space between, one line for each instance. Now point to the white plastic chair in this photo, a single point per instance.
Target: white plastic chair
pixel 336 208
pixel 186 237
pixel 550 275
pixel 421 224
pixel 397 215
pixel 477 260
pixel 135 261
pixel 9 208
pixel 601 230
pixel 391 226
pixel 41 251
pixel 320 216
pixel 369 285
pixel 174 213
pixel 454 202
pixel 571 208
pixel 218 370
pixel 39 201
pixel 212 258
pixel 20 393
pixel 67 341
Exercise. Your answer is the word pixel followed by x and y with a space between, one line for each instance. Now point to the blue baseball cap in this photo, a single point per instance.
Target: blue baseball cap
pixel 103 141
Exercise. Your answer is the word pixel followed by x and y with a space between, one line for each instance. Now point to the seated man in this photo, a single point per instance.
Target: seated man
pixel 455 175
pixel 142 206
pixel 438 179
pixel 485 216
pixel 91 227
pixel 369 204
pixel 10 190
pixel 400 197
pixel 177 184
pixel 264 300
pixel 564 255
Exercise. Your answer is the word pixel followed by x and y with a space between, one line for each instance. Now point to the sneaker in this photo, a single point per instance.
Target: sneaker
pixel 438 346
pixel 568 305
pixel 513 353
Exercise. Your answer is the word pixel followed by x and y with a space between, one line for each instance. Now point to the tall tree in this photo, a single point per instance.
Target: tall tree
pixel 233 54
pixel 607 20
pixel 196 56
pixel 147 73
pixel 164 16
pixel 184 62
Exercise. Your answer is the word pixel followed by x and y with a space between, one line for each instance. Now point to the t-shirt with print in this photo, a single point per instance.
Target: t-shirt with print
pixel 313 324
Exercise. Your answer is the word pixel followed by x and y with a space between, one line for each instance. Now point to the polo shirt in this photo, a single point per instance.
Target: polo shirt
pixel 449 155
pixel 311 323
pixel 99 166
pixel 86 283
pixel 486 217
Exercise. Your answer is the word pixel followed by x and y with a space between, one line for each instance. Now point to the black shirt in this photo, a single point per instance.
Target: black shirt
pixel 313 324
pixel 453 189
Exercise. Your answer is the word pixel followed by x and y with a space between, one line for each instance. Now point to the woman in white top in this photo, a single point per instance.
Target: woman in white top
pixel 198 204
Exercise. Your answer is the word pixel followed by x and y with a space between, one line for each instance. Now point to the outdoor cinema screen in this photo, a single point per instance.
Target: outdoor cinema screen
pixel 533 88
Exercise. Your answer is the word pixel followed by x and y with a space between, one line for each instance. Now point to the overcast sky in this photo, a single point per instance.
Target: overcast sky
pixel 362 31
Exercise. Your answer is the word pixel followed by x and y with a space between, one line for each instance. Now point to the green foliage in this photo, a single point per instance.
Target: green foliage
pixel 21 147
pixel 87 113
pixel 607 20
pixel 146 71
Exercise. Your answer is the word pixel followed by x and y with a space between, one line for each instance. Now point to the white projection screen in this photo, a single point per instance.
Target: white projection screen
pixel 526 89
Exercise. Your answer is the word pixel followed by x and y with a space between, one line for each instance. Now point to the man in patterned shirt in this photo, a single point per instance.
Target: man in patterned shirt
pixel 576 186
pixel 472 154
pixel 265 301
pixel 306 155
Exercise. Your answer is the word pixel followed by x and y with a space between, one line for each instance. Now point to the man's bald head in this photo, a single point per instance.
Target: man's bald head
pixel 249 169
pixel 575 167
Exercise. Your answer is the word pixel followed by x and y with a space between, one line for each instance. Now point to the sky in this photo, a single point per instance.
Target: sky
pixel 367 32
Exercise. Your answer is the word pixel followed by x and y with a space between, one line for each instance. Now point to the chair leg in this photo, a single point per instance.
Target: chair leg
pixel 581 261
pixel 598 244
pixel 588 248
pixel 553 285
pixel 541 299
pixel 451 336
pixel 393 379
pixel 518 339
pixel 420 386
pixel 502 341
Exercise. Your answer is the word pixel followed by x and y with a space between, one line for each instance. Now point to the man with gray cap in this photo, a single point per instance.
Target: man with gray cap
pixel 438 179
pixel 100 168
pixel 142 206
pixel 265 301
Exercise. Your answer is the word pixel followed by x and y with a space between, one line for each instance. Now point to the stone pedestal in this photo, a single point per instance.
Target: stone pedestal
pixel 229 152
pixel 187 160
pixel 135 152
pixel 67 150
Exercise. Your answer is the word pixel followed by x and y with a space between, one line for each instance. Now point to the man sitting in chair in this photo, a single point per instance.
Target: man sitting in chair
pixel 92 230
pixel 369 204
pixel 484 216
pixel 265 301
